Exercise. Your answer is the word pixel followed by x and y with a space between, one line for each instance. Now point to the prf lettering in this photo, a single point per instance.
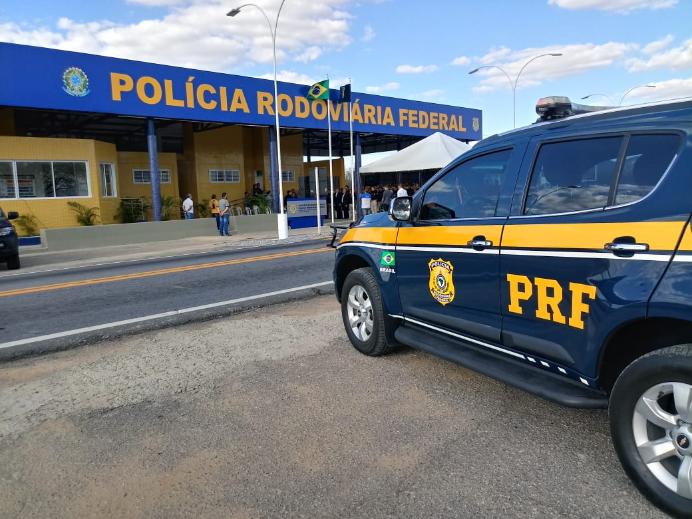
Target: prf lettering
pixel 548 294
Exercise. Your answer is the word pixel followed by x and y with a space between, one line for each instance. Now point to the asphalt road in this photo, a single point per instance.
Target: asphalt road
pixel 271 413
pixel 62 307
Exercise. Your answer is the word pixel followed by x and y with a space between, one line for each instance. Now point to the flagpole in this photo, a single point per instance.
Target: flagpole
pixel 331 173
pixel 353 158
pixel 317 198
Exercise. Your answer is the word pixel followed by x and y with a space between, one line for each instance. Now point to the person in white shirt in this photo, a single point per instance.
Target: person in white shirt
pixel 189 207
pixel 401 191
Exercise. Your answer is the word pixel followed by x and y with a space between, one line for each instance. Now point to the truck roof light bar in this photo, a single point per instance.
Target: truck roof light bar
pixel 559 107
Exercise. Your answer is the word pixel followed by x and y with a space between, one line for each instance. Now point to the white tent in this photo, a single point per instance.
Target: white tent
pixel 433 152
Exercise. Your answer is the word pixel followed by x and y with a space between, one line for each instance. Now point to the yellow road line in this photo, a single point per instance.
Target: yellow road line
pixel 160 272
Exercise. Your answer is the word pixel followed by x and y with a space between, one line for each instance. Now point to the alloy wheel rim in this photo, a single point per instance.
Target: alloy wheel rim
pixel 662 427
pixel 359 307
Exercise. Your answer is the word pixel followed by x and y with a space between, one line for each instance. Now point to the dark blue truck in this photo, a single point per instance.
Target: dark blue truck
pixel 558 259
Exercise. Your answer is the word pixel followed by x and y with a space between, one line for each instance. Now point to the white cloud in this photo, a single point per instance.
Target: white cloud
pixel 495 54
pixel 290 76
pixel 575 59
pixel 658 45
pixel 368 33
pixel 677 58
pixel 309 54
pixel 415 69
pixel 460 61
pixel 392 85
pixel 197 34
pixel 622 6
pixel 434 94
pixel 670 89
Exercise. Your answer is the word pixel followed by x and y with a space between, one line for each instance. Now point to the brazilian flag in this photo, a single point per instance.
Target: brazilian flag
pixel 319 91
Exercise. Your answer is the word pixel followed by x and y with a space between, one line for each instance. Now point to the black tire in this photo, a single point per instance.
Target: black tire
pixel 668 365
pixel 13 262
pixel 377 344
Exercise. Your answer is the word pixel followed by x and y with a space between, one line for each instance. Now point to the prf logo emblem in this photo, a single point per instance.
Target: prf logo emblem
pixel 441 284
pixel 75 82
pixel 476 124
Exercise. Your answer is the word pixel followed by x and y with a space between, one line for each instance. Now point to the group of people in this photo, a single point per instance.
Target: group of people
pixel 221 210
pixel 373 199
pixel 378 198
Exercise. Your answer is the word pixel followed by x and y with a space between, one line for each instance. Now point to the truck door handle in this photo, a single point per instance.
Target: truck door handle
pixel 626 245
pixel 479 243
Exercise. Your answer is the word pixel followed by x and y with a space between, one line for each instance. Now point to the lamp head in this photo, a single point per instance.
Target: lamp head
pixel 233 12
pixel 474 70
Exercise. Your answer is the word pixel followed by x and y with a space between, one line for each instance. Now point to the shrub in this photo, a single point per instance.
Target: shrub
pixel 85 215
pixel 132 210
pixel 261 201
pixel 28 224
pixel 169 206
pixel 202 209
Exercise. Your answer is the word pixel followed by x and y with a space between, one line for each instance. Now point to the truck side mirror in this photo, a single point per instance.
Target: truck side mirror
pixel 401 208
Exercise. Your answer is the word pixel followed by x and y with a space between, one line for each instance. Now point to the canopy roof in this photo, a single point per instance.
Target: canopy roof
pixel 433 152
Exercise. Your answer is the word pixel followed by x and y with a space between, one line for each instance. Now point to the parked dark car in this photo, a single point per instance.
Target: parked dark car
pixel 9 244
pixel 557 258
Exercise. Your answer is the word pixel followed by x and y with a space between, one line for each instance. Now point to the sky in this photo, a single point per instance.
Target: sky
pixel 419 50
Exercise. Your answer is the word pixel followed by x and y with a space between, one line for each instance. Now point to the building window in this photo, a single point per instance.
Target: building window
pixel 43 179
pixel 224 176
pixel 143 176
pixel 288 176
pixel 7 189
pixel 108 188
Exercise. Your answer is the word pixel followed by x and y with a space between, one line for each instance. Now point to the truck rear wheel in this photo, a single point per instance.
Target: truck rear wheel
pixel 651 426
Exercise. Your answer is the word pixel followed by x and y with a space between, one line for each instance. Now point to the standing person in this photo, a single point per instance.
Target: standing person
pixel 347 202
pixel 365 199
pixel 376 199
pixel 224 215
pixel 387 196
pixel 214 208
pixel 189 207
pixel 339 204
pixel 401 191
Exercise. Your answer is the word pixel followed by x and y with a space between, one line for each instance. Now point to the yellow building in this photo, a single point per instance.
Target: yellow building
pixel 40 175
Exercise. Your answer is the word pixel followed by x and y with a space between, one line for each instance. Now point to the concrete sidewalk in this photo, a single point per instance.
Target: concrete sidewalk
pixel 36 259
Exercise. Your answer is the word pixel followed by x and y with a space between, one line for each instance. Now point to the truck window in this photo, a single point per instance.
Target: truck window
pixel 646 159
pixel 572 175
pixel 470 190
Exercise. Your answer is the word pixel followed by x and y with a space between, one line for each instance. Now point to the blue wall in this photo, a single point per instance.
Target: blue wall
pixel 58 80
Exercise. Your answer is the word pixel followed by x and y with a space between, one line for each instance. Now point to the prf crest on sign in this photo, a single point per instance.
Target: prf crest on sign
pixel 441 284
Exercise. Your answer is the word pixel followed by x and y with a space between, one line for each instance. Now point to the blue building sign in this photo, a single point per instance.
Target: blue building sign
pixel 59 80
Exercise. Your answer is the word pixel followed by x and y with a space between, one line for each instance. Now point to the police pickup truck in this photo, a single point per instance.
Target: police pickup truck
pixel 558 259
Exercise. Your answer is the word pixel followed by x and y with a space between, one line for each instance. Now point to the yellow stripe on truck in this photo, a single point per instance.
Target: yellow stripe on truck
pixel 686 242
pixel 448 236
pixel 662 236
pixel 385 235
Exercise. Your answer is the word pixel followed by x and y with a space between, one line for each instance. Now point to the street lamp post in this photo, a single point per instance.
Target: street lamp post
pixel 631 90
pixel 282 221
pixel 513 84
